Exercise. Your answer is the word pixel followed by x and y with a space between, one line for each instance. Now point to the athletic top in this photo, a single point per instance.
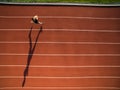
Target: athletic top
pixel 35 21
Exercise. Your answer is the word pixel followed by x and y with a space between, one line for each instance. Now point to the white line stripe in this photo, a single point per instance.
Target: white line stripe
pixel 38 66
pixel 75 55
pixel 63 4
pixel 60 88
pixel 47 77
pixel 66 30
pixel 64 17
pixel 25 42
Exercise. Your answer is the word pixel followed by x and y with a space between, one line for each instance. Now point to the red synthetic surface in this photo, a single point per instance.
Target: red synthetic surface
pixel 59 72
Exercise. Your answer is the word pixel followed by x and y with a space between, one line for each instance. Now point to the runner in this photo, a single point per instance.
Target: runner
pixel 35 20
pixel 31 47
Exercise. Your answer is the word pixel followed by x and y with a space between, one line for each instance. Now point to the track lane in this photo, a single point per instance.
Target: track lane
pixel 62 61
pixel 61 82
pixel 61 72
pixel 60 11
pixel 62 23
pixel 55 36
pixel 59 48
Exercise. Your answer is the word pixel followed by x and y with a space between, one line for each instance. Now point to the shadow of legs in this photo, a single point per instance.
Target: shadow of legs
pixel 30 53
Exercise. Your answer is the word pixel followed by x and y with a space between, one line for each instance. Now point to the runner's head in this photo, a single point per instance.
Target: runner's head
pixel 35 17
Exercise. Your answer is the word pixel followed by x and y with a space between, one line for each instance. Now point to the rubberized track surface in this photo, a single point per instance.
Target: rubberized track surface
pixel 79 48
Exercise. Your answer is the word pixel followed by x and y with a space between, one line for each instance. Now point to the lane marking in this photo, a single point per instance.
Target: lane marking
pixel 64 17
pixel 47 77
pixel 62 55
pixel 65 30
pixel 47 42
pixel 73 66
pixel 60 88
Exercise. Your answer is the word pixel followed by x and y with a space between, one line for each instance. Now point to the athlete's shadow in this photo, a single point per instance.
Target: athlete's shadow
pixel 31 52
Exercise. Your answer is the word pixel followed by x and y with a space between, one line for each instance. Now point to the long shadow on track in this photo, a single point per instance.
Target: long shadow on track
pixel 30 53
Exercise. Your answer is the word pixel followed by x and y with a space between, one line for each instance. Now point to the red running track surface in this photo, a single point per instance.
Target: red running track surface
pixel 79 48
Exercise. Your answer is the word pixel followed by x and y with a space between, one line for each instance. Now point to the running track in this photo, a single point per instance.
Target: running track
pixel 79 48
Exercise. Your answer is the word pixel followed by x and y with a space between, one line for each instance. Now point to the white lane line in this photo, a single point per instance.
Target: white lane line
pixel 65 30
pixel 25 42
pixel 41 66
pixel 65 17
pixel 47 77
pixel 62 55
pixel 59 88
